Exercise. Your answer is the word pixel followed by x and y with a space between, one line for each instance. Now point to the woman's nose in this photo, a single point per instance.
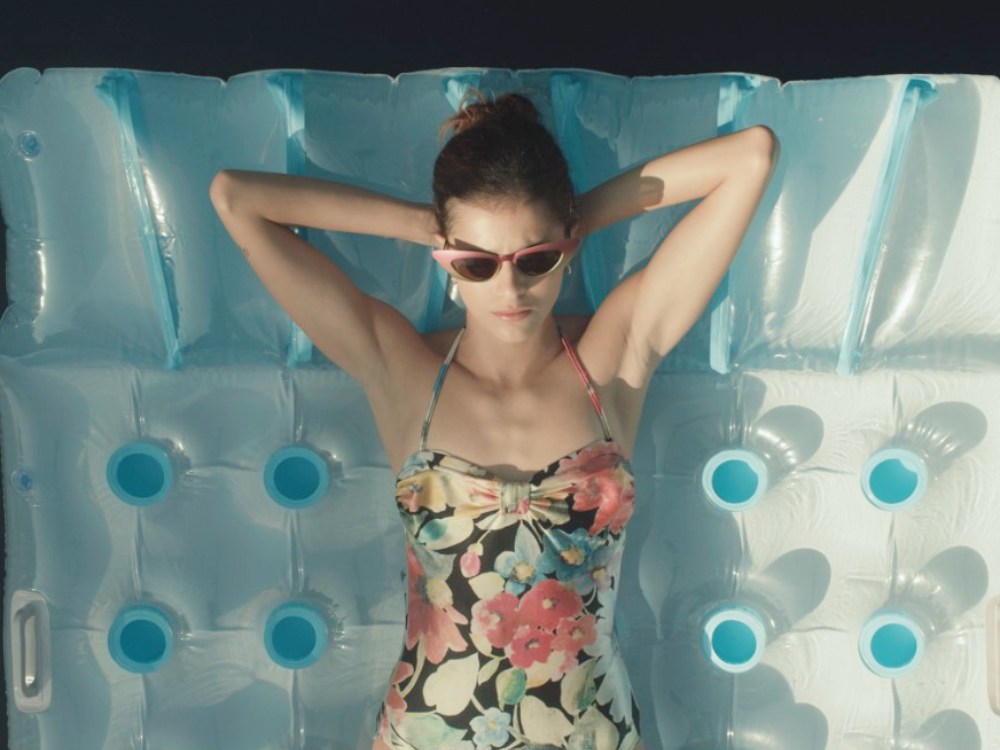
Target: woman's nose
pixel 508 276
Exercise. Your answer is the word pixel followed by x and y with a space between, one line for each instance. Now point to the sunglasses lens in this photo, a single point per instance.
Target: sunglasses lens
pixel 537 264
pixel 475 269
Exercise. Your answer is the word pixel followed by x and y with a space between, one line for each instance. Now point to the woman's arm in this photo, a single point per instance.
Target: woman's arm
pixel 652 309
pixel 365 337
pixel 676 177
pixel 308 202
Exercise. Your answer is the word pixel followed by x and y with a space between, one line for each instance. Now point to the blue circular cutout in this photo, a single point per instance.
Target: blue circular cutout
pixel 21 480
pixel 891 643
pixel 140 473
pixel 296 477
pixel 141 639
pixel 894 646
pixel 734 479
pixel 28 144
pixel 295 635
pixel 894 478
pixel 733 638
pixel 734 642
pixel 892 481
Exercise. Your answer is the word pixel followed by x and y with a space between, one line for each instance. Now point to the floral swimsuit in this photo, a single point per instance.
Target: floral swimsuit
pixel 510 639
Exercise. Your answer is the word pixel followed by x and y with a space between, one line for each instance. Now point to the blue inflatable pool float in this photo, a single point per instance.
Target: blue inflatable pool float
pixel 201 545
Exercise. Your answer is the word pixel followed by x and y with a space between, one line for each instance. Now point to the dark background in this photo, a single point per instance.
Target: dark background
pixel 629 38
pixel 807 41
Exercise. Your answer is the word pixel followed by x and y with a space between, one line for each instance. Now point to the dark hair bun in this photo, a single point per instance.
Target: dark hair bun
pixel 500 150
pixel 504 108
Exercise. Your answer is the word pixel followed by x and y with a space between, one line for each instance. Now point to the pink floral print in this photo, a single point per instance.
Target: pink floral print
pixel 511 605
pixel 432 618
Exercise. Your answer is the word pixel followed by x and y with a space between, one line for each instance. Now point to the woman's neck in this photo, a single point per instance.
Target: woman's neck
pixel 508 363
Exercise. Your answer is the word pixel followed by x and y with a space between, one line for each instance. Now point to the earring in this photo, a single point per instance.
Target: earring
pixel 569 270
pixel 452 293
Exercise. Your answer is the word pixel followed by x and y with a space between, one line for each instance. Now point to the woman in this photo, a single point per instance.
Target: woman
pixel 512 569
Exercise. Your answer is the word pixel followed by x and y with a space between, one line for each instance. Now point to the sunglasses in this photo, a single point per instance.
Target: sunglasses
pixel 479 265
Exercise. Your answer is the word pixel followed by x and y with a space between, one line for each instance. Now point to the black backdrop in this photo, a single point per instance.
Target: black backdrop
pixel 625 37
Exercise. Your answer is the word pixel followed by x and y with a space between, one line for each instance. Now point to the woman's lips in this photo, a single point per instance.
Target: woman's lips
pixel 519 315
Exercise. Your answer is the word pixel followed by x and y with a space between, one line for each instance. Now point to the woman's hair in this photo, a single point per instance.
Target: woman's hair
pixel 499 150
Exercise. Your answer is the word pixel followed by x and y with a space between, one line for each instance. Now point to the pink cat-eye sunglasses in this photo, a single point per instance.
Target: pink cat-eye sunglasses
pixel 479 265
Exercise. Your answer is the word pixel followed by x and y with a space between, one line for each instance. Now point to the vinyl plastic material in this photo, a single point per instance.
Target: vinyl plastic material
pixel 201 542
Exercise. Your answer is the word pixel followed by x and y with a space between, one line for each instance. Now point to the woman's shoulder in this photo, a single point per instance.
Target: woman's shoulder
pixel 440 341
pixel 573 326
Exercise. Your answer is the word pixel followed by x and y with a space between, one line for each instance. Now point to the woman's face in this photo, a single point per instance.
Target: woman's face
pixel 506 226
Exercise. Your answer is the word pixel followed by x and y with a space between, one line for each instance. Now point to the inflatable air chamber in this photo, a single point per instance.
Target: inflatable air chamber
pixel 202 545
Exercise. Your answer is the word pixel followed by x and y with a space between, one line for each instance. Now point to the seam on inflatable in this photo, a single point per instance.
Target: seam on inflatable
pixel 286 89
pixel 120 91
pixel 917 93
pixel 735 94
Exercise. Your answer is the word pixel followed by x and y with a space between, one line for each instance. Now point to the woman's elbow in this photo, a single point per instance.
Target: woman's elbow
pixel 220 192
pixel 765 144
